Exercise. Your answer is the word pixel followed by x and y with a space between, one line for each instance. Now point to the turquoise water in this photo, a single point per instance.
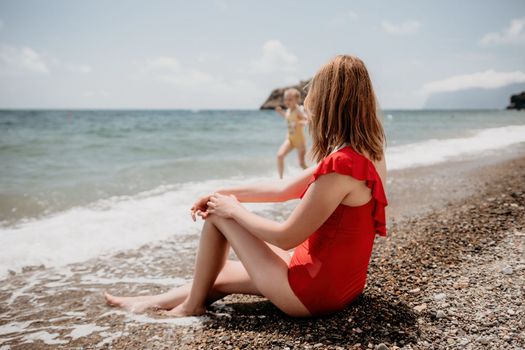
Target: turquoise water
pixel 77 184
pixel 54 160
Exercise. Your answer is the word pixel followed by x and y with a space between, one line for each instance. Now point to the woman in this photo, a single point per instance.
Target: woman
pixel 333 227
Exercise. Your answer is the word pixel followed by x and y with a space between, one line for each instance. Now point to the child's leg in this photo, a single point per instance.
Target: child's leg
pixel 285 148
pixel 301 152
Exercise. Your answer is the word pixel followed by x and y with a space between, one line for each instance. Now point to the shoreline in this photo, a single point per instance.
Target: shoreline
pixel 428 252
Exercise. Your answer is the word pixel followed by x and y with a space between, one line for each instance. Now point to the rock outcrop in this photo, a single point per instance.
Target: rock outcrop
pixel 276 97
pixel 517 101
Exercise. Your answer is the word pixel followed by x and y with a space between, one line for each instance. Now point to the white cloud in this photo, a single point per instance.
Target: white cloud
pixel 213 90
pixel 513 34
pixel 79 68
pixel 16 60
pixel 187 78
pixel 276 57
pixel 208 57
pixel 24 59
pixel 408 27
pixel 1 24
pixel 169 70
pixel 489 79
pixel 162 64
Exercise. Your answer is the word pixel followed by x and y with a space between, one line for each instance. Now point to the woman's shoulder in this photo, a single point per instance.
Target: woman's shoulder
pixel 345 155
pixel 347 161
pixel 341 161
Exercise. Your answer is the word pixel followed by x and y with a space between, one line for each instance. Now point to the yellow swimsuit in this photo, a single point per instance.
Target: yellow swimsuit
pixel 295 129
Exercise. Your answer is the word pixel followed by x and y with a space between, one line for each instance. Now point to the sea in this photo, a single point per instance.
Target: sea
pixel 76 184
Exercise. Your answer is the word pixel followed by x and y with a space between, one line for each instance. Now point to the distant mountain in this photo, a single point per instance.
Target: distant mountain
pixel 474 98
pixel 517 101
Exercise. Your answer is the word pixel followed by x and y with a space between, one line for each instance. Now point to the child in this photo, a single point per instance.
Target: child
pixel 296 119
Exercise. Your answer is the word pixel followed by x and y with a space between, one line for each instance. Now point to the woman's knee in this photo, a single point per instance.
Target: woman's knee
pixel 211 226
pixel 215 220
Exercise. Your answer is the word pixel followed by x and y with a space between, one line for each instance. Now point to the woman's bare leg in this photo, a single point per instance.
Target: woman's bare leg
pixel 267 270
pixel 233 279
pixel 285 148
pixel 211 258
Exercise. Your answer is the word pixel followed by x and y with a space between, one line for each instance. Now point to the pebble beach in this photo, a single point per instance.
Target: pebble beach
pixel 450 274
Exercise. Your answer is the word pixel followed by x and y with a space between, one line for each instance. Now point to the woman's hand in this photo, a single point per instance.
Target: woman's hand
pixel 223 206
pixel 200 207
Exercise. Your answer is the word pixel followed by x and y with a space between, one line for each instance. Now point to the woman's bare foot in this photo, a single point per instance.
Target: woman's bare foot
pixel 182 310
pixel 133 304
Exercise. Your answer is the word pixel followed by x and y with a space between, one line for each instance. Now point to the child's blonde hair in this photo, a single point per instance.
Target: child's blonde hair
pixel 292 91
pixel 343 109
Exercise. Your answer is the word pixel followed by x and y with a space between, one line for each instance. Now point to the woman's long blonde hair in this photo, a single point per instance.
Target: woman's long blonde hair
pixel 343 109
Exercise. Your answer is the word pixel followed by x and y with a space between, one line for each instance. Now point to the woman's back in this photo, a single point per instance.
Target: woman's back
pixel 328 270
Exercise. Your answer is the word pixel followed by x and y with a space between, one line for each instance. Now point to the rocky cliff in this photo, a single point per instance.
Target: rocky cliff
pixel 517 101
pixel 276 97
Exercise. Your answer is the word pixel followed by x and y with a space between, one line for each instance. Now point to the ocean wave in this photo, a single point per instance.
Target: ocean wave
pixel 127 222
pixel 107 226
pixel 440 150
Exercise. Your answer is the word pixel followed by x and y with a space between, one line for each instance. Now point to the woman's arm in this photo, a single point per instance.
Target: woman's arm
pixel 274 191
pixel 319 202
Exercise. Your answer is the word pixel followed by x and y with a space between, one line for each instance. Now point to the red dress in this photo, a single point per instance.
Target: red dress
pixel 328 270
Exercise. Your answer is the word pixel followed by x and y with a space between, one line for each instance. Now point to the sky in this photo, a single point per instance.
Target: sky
pixel 230 54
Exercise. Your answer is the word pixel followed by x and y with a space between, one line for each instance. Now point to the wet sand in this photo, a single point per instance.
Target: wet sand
pixel 450 274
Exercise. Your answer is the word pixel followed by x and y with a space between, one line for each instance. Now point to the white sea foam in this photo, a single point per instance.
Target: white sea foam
pixel 121 223
pixel 109 338
pixel 47 338
pixel 142 318
pixel 14 327
pixel 104 227
pixel 140 280
pixel 435 151
pixel 82 330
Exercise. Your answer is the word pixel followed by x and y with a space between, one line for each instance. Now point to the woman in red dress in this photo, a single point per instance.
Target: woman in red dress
pixel 332 228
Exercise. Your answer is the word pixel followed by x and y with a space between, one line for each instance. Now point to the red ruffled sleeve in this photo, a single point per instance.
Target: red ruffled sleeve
pixel 348 162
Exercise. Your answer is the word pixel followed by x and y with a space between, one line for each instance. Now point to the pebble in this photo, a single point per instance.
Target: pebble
pixel 420 308
pixel 507 270
pixel 464 341
pixel 440 296
pixel 519 233
pixel 474 241
pixel 463 282
pixel 483 340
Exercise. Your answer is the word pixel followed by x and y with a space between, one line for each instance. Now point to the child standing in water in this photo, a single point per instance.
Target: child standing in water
pixel 296 120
